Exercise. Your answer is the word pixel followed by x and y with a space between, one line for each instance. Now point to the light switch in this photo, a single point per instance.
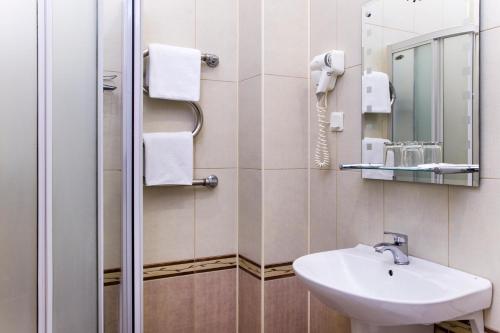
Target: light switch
pixel 337 121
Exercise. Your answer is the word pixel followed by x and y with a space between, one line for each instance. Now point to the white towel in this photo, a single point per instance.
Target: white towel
pixel 174 73
pixel 376 94
pixel 168 158
pixel 373 153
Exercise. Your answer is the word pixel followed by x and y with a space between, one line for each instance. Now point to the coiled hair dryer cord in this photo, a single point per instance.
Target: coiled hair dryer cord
pixel 322 153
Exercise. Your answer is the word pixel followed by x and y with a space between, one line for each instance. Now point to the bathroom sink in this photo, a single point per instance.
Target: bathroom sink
pixel 368 287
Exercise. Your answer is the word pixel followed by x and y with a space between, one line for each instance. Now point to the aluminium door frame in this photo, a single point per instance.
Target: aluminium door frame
pixel 44 151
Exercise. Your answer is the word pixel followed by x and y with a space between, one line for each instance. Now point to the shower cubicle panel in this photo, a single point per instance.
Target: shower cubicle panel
pixel 18 166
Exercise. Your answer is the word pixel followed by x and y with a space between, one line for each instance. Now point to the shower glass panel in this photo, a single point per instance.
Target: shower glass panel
pixel 457 103
pixel 423 94
pixel 112 23
pixel 75 160
pixel 18 166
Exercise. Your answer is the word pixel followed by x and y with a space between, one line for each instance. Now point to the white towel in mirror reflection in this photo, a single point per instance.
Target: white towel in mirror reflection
pixel 376 92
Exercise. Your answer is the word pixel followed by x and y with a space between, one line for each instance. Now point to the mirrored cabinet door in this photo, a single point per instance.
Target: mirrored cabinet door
pixel 426 128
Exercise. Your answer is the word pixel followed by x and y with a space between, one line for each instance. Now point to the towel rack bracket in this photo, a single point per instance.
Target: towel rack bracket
pixel 210 182
pixel 211 60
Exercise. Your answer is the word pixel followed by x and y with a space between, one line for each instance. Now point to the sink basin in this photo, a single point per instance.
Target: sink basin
pixel 368 287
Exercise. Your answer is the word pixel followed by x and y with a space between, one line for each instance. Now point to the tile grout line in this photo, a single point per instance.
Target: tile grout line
pixel 237 231
pixel 262 110
pixel 309 222
pixel 337 174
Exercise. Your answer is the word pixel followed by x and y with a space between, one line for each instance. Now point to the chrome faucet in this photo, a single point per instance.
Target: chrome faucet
pixel 399 248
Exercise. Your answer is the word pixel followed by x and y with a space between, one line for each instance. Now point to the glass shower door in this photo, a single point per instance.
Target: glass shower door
pixel 18 166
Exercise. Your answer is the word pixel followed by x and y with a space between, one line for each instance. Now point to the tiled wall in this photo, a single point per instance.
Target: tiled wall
pixel 272 205
pixel 182 224
pixel 455 226
pixel 275 220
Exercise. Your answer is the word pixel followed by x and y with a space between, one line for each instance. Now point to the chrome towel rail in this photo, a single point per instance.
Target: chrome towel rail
pixel 211 182
pixel 211 60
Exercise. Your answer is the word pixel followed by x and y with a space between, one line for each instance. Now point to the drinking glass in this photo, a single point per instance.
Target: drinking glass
pixel 393 153
pixel 433 152
pixel 413 155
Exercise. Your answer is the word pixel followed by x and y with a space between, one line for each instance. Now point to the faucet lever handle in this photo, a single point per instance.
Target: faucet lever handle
pixel 398 238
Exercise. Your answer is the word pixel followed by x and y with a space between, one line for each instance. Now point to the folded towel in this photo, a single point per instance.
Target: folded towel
pixel 373 153
pixel 168 158
pixel 376 94
pixel 174 73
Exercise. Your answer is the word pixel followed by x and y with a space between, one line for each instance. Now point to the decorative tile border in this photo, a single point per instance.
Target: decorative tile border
pixel 456 327
pixel 271 272
pixel 178 268
pixel 249 266
pixel 278 271
pixel 112 276
pixel 160 271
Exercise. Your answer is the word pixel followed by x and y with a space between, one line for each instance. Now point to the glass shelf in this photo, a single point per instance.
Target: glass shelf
pixel 440 169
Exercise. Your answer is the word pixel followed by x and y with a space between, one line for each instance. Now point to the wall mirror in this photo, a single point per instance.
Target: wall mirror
pixel 420 91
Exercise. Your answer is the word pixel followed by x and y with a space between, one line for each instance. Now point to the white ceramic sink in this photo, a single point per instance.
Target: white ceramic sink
pixel 370 288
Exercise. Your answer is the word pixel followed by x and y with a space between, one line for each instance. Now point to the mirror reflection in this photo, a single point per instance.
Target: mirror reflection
pixel 420 88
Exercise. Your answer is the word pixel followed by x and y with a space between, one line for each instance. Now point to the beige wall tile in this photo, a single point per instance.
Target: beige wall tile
pixel 323 26
pixel 286 37
pixel 285 122
pixel 112 219
pixel 490 103
pixel 421 212
pixel 216 215
pixel 489 14
pixel 474 231
pixel 112 309
pixel 250 123
pixel 112 35
pixel 360 210
pixel 214 19
pixel 215 301
pixel 249 303
pixel 250 39
pixel 325 320
pixel 169 305
pixel 285 215
pixel 348 93
pixel 323 222
pixel 169 22
pixel 167 116
pixel 285 306
pixel 349 30
pixel 250 214
pixel 216 144
pixel 168 224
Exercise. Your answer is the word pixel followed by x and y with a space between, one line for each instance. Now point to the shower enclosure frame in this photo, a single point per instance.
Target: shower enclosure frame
pixel 132 238
pixel 45 267
pixel 131 313
pixel 44 127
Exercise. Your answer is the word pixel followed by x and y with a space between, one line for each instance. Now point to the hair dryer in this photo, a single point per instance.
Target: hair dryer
pixel 325 68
